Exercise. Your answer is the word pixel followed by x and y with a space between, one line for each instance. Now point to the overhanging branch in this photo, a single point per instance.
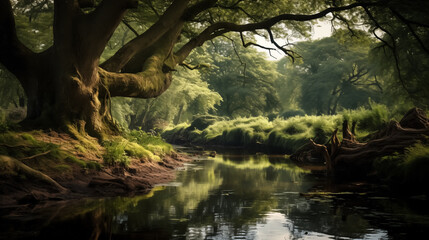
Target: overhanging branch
pixel 219 28
pixel 168 20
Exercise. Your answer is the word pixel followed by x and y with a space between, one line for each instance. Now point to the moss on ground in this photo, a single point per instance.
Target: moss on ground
pixel 37 150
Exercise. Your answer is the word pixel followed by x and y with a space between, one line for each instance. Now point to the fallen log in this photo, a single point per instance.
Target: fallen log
pixel 352 158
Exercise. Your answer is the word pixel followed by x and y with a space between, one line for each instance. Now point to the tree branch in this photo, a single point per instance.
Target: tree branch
pixel 169 19
pixel 392 48
pixel 99 25
pixel 243 42
pixel 219 28
pixel 125 22
pixel 149 84
pixel 193 67
pixel 413 32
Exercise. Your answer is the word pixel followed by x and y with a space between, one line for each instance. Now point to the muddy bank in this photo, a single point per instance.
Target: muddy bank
pixel 138 178
pixel 54 167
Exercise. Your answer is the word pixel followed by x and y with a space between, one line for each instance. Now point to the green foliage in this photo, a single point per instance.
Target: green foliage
pixel 244 78
pixel 369 120
pixel 408 170
pixel 187 96
pixel 402 57
pixel 333 74
pixel 155 144
pixel 115 153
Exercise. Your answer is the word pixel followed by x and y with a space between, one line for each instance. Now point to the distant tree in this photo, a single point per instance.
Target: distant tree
pixel 244 78
pixel 188 96
pixel 334 73
pixel 402 52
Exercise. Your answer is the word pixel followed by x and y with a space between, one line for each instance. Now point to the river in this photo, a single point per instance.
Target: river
pixel 232 197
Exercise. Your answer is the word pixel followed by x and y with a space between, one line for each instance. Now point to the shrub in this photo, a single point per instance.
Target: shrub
pixel 115 153
pixel 408 171
pixel 153 143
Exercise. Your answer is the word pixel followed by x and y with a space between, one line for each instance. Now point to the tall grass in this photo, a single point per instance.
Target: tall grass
pixel 407 171
pixel 279 135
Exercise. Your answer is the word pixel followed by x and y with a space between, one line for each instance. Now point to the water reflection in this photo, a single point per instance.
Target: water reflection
pixel 228 197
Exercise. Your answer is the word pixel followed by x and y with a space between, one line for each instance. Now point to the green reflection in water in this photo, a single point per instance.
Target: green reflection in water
pixel 230 196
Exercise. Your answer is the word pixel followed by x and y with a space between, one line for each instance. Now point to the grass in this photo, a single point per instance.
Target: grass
pixel 407 171
pixel 279 135
pixel 115 153
pixel 135 144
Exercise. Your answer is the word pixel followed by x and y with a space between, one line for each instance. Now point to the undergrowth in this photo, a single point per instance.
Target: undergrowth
pixel 407 170
pixel 279 135
pixel 135 144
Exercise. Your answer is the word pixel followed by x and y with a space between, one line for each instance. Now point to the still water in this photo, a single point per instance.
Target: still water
pixel 232 197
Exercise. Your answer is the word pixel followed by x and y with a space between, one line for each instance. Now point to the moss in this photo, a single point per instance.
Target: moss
pixel 94 165
pixel 150 142
pixel 75 160
pixel 81 149
pixel 63 168
pixel 89 143
pixel 22 145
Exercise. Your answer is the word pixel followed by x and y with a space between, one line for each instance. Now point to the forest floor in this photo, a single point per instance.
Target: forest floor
pixel 50 166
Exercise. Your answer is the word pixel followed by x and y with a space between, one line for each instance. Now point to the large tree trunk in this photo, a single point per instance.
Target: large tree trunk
pixel 354 159
pixel 65 86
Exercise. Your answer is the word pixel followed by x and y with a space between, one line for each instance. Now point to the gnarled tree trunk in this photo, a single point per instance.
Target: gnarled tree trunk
pixel 65 86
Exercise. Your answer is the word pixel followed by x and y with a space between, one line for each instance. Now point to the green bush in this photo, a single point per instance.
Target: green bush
pixel 408 171
pixel 115 153
pixel 155 144
pixel 416 165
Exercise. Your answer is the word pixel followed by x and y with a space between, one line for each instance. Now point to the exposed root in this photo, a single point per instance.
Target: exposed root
pixel 355 158
pixel 12 166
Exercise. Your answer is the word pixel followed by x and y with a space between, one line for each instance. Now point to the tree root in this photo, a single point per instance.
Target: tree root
pixel 12 166
pixel 349 155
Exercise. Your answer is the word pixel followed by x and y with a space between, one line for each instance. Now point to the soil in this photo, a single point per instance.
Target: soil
pixel 137 178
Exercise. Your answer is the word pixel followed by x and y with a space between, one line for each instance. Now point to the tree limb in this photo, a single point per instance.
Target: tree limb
pixel 125 22
pixel 169 19
pixel 219 28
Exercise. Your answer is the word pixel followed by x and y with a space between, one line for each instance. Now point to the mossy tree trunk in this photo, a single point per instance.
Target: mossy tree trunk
pixel 65 86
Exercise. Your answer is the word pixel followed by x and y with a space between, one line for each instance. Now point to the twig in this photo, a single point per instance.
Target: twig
pixel 35 156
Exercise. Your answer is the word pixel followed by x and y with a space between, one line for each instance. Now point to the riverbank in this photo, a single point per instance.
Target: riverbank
pixel 42 166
